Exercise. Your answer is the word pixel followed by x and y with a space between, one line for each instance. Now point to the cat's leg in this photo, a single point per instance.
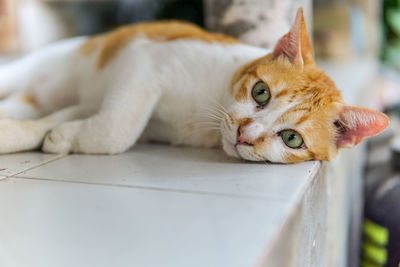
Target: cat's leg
pixel 23 135
pixel 114 129
pixel 32 86
pixel 19 106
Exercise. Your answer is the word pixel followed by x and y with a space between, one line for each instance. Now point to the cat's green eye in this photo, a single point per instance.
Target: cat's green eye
pixel 291 138
pixel 261 93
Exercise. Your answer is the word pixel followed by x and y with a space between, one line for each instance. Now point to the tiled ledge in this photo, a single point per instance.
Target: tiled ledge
pixel 153 206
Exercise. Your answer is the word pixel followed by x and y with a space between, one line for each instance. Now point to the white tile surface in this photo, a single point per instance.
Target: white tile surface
pixel 47 224
pixel 153 206
pixel 16 163
pixel 178 168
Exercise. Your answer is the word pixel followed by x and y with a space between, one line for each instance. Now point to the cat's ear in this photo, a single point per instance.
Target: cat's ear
pixel 295 45
pixel 357 123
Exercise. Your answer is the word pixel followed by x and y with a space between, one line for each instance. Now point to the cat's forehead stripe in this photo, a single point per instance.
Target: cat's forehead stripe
pixel 283 92
pixel 242 93
pixel 302 119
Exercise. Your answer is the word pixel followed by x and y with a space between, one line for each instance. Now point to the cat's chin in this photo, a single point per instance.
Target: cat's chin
pixel 230 149
pixel 245 152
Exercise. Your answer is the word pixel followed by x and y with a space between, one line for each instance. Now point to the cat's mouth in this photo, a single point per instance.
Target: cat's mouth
pixel 242 143
pixel 239 150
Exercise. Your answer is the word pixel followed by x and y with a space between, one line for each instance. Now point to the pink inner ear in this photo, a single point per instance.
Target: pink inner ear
pixel 290 44
pixel 295 45
pixel 359 123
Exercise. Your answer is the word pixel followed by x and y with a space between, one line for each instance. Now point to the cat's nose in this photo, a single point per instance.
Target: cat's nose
pixel 242 139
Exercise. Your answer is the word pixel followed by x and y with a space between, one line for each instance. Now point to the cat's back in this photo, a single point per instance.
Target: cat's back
pixel 109 46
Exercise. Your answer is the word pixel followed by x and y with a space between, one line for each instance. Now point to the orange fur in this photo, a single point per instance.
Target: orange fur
pixel 244 121
pixel 112 43
pixel 303 119
pixel 242 93
pixel 91 45
pixel 284 92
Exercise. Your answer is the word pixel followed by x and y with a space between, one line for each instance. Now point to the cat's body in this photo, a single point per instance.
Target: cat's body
pixel 168 82
pixel 187 75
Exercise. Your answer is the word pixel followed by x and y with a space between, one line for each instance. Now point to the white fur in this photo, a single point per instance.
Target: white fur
pixel 162 91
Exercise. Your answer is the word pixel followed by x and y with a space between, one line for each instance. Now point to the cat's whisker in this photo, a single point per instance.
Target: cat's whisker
pixel 219 108
pixel 208 123
pixel 200 130
pixel 201 127
pixel 211 120
pixel 227 124
pixel 219 104
pixel 213 112
pixel 211 129
pixel 211 116
pixel 207 119
pixel 208 107
pixel 205 129
pixel 223 112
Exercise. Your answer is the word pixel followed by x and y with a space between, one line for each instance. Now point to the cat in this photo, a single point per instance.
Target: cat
pixel 174 82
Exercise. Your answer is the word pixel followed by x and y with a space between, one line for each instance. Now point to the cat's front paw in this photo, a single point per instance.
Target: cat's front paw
pixel 62 139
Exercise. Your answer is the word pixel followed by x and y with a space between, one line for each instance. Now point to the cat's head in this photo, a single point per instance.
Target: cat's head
pixel 286 109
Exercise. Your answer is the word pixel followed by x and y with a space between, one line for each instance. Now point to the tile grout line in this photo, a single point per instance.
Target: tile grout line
pixel 150 188
pixel 34 167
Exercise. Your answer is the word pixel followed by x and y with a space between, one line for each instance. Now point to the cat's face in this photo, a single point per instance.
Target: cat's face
pixel 286 109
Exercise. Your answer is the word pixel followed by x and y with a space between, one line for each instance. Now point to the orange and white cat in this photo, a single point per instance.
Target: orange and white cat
pixel 173 82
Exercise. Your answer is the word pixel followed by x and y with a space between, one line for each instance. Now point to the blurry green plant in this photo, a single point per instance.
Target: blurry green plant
pixel 391 32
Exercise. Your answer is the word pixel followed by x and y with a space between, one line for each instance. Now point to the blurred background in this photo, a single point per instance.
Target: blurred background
pixel 342 29
pixel 356 41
